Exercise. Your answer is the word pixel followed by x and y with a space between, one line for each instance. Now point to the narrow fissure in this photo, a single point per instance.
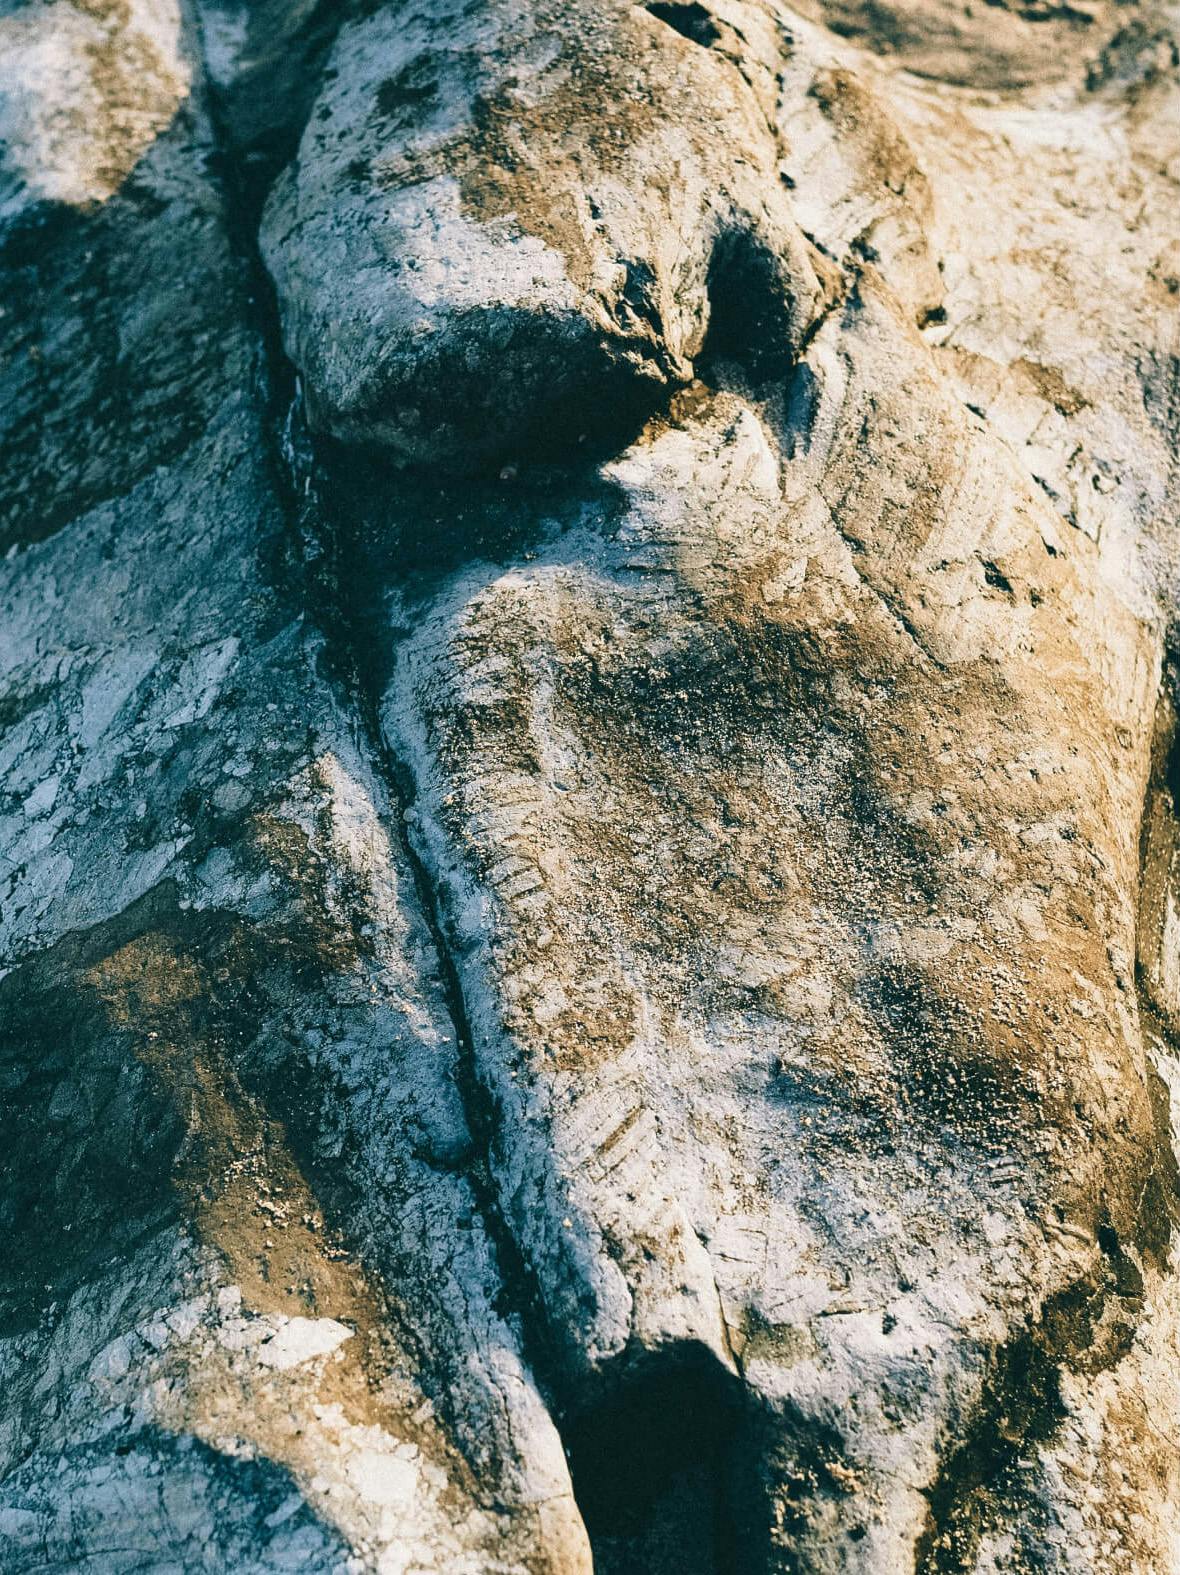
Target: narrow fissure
pixel 660 1451
pixel 344 629
pixel 321 564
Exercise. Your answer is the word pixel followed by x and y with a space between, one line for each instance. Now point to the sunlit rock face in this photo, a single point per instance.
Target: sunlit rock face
pixel 588 850
pixel 251 1317
pixel 515 225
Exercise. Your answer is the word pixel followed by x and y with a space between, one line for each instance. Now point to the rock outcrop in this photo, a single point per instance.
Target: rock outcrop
pixel 590 823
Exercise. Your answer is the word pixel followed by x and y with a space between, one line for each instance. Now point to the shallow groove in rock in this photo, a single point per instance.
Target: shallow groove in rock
pixel 321 574
pixel 522 1297
pixel 1020 1406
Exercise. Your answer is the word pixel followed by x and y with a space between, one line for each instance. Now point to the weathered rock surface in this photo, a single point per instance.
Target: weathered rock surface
pixel 512 224
pixel 237 1174
pixel 591 853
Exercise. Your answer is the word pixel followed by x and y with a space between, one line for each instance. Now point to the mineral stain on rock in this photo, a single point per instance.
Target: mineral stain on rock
pixel 588 788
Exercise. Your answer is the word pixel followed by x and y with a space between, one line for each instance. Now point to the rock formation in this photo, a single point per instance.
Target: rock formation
pixel 590 838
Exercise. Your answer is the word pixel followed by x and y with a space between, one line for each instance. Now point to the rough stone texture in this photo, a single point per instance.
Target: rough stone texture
pixel 239 1194
pixel 513 224
pixel 591 848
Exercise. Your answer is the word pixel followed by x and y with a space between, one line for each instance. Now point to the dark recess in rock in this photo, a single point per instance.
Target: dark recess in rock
pixel 651 1462
pixel 691 20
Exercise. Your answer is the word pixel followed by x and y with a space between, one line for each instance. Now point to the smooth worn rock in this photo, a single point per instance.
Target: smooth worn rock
pixel 516 224
pixel 588 792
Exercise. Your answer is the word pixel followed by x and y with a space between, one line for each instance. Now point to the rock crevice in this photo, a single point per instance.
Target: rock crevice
pixel 586 788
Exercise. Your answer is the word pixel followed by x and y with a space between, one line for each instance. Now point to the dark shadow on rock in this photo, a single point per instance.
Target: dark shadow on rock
pixel 118 342
pixel 119 1515
pixel 650 1460
pixel 382 540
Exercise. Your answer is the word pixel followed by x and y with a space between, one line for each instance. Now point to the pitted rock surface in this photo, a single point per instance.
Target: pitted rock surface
pixel 589 815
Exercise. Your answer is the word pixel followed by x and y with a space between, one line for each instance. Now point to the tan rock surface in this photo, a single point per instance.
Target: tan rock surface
pixel 590 829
